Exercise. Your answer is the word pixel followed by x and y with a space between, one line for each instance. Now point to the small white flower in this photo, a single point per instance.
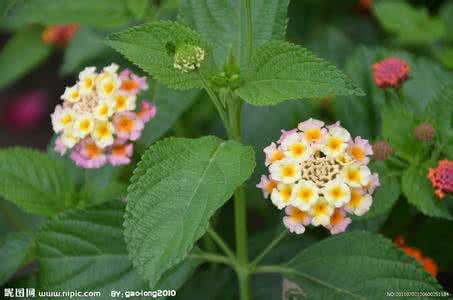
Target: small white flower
pixel 285 170
pixel 124 102
pixel 103 134
pixel 337 193
pixel 312 130
pixel 321 212
pixel 87 80
pixel 336 142
pixel 68 139
pixel 360 202
pixel 356 175
pixel 107 87
pixel 62 118
pixel 72 94
pixel 296 147
pixel 273 154
pixel 103 110
pixel 112 69
pixel 305 194
pixel 281 196
pixel 295 220
pixel 83 125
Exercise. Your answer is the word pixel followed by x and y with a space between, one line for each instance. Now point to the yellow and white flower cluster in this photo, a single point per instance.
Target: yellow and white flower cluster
pixel 319 174
pixel 97 116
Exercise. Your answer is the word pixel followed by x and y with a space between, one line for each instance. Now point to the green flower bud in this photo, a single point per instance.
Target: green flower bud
pixel 188 58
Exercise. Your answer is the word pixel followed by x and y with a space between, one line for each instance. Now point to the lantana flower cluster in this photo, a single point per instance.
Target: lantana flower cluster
pixel 441 178
pixel 390 72
pixel 319 175
pixel 59 35
pixel 97 119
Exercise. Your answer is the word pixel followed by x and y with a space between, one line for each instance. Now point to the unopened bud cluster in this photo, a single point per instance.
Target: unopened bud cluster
pixel 188 58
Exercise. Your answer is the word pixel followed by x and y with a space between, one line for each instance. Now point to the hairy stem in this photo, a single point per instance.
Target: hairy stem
pixel 269 247
pixel 240 217
pixel 221 243
pixel 212 258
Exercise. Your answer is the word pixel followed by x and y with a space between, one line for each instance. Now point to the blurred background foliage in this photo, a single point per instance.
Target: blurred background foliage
pixel 353 34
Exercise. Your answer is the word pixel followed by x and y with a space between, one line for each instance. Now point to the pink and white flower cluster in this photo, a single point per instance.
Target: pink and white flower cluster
pixel 319 174
pixel 98 120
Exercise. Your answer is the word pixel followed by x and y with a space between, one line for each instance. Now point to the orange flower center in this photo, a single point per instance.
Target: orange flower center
pixel 126 124
pixel 129 85
pixel 357 152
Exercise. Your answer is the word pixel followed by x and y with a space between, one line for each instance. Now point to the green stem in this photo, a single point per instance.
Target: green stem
pixel 215 100
pixel 212 258
pixel 221 243
pixel 272 269
pixel 248 9
pixel 269 247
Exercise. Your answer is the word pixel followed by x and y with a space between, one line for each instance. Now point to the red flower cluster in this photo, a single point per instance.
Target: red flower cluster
pixel 390 72
pixel 59 35
pixel 442 177
pixel 365 5
pixel 428 263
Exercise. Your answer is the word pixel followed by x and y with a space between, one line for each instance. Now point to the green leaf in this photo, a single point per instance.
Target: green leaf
pixel 357 265
pixel 176 188
pixel 283 71
pixel 14 249
pixel 446 11
pixel 81 50
pixel 420 193
pixel 445 56
pixel 85 250
pixel 400 135
pixel 219 22
pixel 411 25
pixel 152 48
pixel 170 105
pixel 427 79
pixel 23 52
pixel 99 13
pixel 440 114
pixel 35 182
pixel 138 7
pixel 5 6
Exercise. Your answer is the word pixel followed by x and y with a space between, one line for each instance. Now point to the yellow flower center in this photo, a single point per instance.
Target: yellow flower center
pixel 103 131
pixel 108 88
pixel 120 101
pixel 353 175
pixel 288 171
pixel 334 143
pixel 336 192
pixel 75 94
pixel 313 134
pixel 297 214
pixel 286 193
pixel 88 83
pixel 66 120
pixel 85 125
pixel 320 208
pixel 305 194
pixel 297 149
pixel 336 217
pixel 356 198
pixel 271 185
pixel 357 152
pixel 277 155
